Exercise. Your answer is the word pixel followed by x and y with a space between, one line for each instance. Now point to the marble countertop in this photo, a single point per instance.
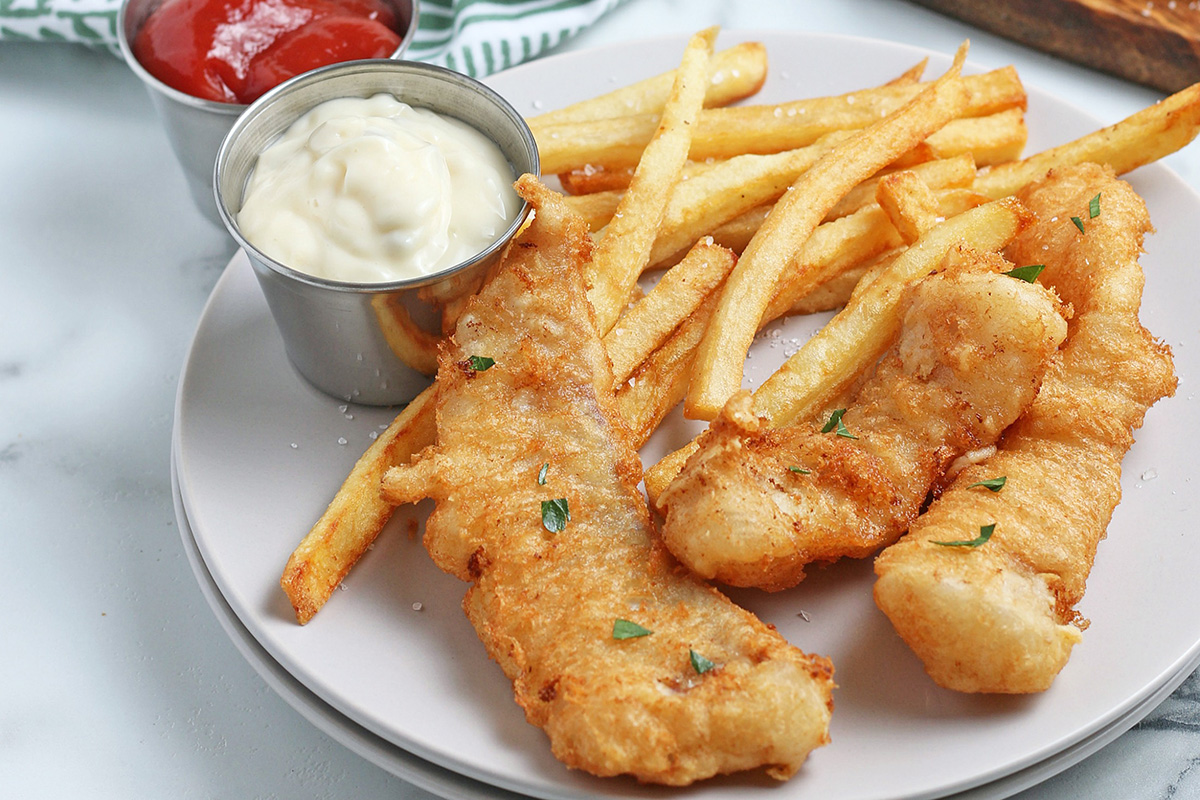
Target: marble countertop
pixel 116 680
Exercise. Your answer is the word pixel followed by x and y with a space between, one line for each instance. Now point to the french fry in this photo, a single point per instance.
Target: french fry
pixel 680 291
pixel 957 171
pixel 726 132
pixel 660 381
pixel 751 286
pixel 735 73
pixel 910 206
pixel 1139 139
pixel 597 208
pixel 592 179
pixel 711 194
pixel 911 75
pixel 729 189
pixel 357 513
pixel 624 249
pixel 856 336
pixel 994 139
pixel 848 243
pixel 659 477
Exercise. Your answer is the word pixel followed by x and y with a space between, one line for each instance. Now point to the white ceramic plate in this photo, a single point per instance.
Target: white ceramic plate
pixel 259 454
pixel 454 786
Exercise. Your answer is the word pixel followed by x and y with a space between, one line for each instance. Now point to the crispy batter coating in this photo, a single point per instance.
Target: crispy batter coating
pixel 544 602
pixel 754 506
pixel 1000 617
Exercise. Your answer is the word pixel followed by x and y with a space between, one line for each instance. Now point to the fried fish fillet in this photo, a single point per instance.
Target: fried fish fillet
pixel 999 617
pixel 753 506
pixel 537 506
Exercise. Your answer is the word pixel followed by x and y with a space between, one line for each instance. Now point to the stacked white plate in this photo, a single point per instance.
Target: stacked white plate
pixel 391 668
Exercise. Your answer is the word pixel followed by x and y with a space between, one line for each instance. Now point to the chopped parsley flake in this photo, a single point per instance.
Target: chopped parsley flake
pixel 985 533
pixel 542 474
pixel 835 424
pixel 699 662
pixel 1078 224
pixel 624 629
pixel 799 470
pixel 994 484
pixel 1028 274
pixel 1094 207
pixel 480 363
pixel 555 514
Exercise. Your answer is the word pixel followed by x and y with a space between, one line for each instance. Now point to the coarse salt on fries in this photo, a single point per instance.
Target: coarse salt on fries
pixel 749 289
pixel 733 74
pixel 769 128
pixel 357 513
pixel 680 291
pixel 624 248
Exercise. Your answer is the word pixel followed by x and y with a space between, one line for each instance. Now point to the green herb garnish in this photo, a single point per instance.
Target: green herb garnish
pixel 542 473
pixel 1028 274
pixel 1094 207
pixel 835 424
pixel 1078 224
pixel 994 484
pixel 799 470
pixel 985 533
pixel 624 629
pixel 480 363
pixel 699 662
pixel 555 514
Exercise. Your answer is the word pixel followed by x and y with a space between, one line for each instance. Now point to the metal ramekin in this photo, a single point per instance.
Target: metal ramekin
pixel 331 329
pixel 195 127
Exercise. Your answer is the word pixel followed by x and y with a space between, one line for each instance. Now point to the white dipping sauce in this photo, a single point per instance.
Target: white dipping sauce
pixel 374 190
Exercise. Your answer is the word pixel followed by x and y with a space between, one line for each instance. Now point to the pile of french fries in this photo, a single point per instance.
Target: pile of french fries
pixel 747 213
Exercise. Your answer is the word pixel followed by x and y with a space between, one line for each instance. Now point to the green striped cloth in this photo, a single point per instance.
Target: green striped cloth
pixel 477 37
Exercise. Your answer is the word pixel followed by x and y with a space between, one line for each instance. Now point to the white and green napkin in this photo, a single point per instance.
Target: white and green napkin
pixel 476 37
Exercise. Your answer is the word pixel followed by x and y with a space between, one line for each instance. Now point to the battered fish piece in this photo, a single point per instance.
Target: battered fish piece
pixel 537 505
pixel 754 506
pixel 999 617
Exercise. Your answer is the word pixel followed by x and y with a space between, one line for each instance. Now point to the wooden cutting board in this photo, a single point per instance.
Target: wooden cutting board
pixel 1152 43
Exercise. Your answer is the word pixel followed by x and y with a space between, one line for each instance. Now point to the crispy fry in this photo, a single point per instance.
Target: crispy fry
pixel 956 171
pixel 850 243
pixel 597 208
pixel 771 128
pixel 680 291
pixel 908 203
pixel 590 179
pixel 357 513
pixel 837 354
pixel 994 139
pixel 712 194
pixel 749 289
pixel 727 190
pixel 735 73
pixel 1139 139
pixel 854 338
pixel 624 249
pixel 911 75
pixel 659 477
pixel 660 382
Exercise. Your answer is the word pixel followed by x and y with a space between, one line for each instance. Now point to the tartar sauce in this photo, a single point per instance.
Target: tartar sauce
pixel 370 190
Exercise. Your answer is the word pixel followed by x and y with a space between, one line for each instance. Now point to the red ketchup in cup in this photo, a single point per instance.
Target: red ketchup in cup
pixel 231 51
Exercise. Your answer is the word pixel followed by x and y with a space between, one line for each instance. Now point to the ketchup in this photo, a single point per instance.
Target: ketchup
pixel 232 51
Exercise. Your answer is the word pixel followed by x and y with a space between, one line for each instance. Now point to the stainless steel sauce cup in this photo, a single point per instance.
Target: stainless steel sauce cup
pixel 360 341
pixel 195 127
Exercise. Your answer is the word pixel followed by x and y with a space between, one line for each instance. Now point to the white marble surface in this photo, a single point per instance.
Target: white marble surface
pixel 115 678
